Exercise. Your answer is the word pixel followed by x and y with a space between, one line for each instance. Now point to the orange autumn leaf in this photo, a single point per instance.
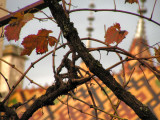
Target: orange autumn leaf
pixel 39 42
pixel 114 34
pixel 27 17
pixel 52 40
pixel 12 30
pixel 117 26
pixel 44 32
pixel 16 18
pixel 157 53
pixel 131 1
pixel 29 44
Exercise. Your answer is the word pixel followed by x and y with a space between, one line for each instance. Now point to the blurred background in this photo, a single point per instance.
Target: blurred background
pixel 42 72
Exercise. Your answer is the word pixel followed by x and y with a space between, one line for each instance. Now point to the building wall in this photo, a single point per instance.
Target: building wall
pixel 11 55
pixel 2 13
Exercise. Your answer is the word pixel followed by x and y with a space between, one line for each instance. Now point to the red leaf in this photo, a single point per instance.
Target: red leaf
pixel 12 30
pixel 42 46
pixel 29 44
pixel 27 51
pixel 117 26
pixel 114 34
pixel 38 42
pixel 122 35
pixel 44 32
pixel 52 40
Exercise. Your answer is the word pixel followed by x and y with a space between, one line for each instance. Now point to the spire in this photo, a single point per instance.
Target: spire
pixel 88 42
pixel 139 46
pixel 90 28
pixel 140 32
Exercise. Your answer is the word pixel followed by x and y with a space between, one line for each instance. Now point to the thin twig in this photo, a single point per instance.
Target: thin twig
pixel 32 65
pixel 91 106
pixel 129 78
pixel 139 8
pixel 63 63
pixel 6 10
pixel 68 107
pixel 123 69
pixel 54 51
pixel 6 80
pixel 78 109
pixel 107 97
pixel 15 106
pixel 91 96
pixel 14 67
pixel 92 76
pixel 51 18
pixel 114 4
pixel 64 7
pixel 16 84
pixel 113 10
pixel 153 9
pixel 119 101
pixel 144 75
pixel 70 5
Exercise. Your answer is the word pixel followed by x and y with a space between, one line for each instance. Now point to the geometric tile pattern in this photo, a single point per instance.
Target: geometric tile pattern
pixel 147 92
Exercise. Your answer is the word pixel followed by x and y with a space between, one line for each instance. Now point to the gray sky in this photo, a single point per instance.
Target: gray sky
pixel 42 72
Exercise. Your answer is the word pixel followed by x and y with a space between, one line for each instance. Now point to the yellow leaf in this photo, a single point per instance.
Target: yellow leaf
pixel 16 18
pixel 13 30
pixel 27 17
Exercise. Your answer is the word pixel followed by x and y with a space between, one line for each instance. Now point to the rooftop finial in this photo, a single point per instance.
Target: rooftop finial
pixel 140 32
pixel 91 19
pixel 143 10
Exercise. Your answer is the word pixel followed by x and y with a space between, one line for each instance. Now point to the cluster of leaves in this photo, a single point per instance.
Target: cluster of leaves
pixel 42 39
pixel 39 42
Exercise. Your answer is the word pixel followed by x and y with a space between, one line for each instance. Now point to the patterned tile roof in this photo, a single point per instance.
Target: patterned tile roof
pixel 146 92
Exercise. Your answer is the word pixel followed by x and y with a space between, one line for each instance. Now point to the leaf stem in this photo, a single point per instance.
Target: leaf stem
pixel 153 9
